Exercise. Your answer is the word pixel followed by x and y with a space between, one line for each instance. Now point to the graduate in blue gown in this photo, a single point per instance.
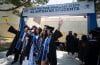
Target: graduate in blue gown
pixel 25 40
pixel 49 52
pixel 41 40
pixel 34 50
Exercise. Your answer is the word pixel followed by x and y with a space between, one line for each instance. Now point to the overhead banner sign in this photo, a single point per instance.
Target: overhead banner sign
pixel 61 9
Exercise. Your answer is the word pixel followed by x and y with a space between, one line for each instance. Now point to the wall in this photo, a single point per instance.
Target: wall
pixel 77 24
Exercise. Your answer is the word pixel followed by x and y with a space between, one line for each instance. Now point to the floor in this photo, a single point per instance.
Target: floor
pixel 62 59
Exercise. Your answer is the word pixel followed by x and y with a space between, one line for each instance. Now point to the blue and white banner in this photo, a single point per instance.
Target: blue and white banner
pixel 60 9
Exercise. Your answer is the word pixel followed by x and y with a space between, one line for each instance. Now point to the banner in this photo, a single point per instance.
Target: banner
pixel 60 9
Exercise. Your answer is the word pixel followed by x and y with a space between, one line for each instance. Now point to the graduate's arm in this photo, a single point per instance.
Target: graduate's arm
pixel 59 25
pixel 57 34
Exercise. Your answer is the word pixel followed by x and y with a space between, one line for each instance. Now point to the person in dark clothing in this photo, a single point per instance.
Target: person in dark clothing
pixel 28 47
pixel 76 43
pixel 51 55
pixel 52 48
pixel 83 44
pixel 97 36
pixel 41 39
pixel 27 43
pixel 92 51
pixel 12 49
pixel 26 39
pixel 70 43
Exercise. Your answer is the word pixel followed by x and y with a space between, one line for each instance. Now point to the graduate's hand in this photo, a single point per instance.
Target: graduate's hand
pixel 60 24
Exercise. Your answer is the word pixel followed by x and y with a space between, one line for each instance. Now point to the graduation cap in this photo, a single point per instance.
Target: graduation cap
pixel 34 27
pixel 49 28
pixel 12 30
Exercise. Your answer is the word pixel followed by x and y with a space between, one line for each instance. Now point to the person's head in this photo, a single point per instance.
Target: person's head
pixel 70 32
pixel 90 36
pixel 33 29
pixel 49 30
pixel 45 27
pixel 84 37
pixel 75 34
pixel 26 28
pixel 44 33
pixel 95 33
pixel 38 30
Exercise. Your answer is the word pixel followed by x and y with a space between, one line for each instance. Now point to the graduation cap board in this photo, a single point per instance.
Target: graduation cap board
pixel 12 30
pixel 77 8
pixel 49 27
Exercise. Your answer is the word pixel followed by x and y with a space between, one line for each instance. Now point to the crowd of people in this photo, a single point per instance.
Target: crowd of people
pixel 36 45
pixel 86 48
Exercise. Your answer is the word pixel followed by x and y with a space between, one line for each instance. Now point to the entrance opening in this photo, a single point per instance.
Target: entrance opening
pixel 82 21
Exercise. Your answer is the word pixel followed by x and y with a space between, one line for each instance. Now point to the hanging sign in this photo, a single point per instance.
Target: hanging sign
pixel 60 9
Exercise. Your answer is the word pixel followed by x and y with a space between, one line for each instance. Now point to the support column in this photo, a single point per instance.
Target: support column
pixel 22 24
pixel 91 21
pixel 21 29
